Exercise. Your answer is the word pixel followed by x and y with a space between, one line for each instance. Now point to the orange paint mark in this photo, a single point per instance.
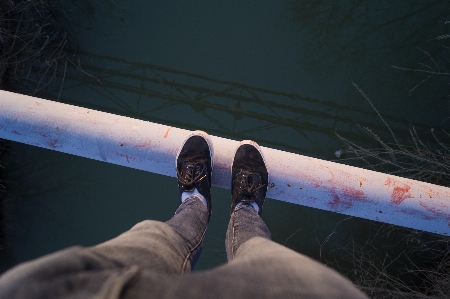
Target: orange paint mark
pixel 361 180
pixel 126 156
pixel 37 103
pixel 167 133
pixel 57 129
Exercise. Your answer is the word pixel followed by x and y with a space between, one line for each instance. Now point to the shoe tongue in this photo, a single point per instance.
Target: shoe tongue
pixel 250 180
pixel 198 168
pixel 193 169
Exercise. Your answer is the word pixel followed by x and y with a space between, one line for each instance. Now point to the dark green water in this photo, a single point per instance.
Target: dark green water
pixel 278 72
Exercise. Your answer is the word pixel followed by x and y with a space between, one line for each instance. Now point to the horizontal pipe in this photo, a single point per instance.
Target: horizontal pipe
pixel 293 178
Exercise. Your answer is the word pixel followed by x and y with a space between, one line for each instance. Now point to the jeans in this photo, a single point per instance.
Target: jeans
pixel 153 260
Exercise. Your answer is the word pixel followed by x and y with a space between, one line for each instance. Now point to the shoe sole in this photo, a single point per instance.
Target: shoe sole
pixel 255 145
pixel 208 141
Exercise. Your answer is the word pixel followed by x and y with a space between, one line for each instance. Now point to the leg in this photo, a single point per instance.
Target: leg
pixel 254 259
pixel 160 248
pixel 278 272
pixel 244 224
pixel 104 270
pixel 249 179
pixel 172 247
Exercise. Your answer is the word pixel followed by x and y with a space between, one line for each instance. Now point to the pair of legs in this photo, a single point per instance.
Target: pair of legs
pixel 147 260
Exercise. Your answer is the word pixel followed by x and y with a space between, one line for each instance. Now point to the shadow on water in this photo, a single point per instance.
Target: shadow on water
pixel 225 108
pixel 298 107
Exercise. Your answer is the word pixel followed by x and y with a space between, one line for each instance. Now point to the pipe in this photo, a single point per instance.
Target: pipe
pixel 293 178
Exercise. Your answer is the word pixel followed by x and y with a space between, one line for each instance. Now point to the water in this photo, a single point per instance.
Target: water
pixel 280 73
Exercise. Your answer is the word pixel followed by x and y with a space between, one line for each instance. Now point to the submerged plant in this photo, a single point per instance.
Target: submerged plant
pixel 421 160
pixel 33 43
pixel 373 269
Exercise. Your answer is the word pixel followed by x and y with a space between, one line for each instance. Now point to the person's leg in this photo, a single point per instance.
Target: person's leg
pixel 104 270
pixel 257 266
pixel 249 180
pixel 171 247
pixel 164 248
pixel 244 224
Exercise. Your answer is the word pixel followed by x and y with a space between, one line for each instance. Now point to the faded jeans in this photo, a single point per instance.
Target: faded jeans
pixel 154 259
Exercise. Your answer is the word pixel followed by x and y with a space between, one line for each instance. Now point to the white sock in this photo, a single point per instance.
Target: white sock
pixel 186 194
pixel 253 204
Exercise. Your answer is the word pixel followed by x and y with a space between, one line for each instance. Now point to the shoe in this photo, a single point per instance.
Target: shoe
pixel 194 163
pixel 249 176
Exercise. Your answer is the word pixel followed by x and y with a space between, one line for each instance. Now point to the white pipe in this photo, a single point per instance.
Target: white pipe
pixel 293 178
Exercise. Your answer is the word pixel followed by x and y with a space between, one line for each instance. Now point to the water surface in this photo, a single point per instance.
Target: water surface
pixel 281 73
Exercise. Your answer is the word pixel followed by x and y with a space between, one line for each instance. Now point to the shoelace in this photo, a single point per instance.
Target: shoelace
pixel 190 178
pixel 247 187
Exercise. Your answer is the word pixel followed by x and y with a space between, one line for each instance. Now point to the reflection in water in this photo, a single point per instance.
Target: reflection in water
pixel 366 42
pixel 367 33
pixel 223 108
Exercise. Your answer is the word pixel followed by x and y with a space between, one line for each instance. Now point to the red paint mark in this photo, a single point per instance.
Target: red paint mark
pixel 42 134
pixel 167 132
pixel 37 103
pixel 349 196
pixel 354 194
pixel 303 177
pixel 435 210
pixel 57 129
pixel 145 144
pixel 129 158
pixel 311 199
pixel 417 214
pixel 400 192
pixel 15 132
pixel 338 203
pixel 389 181
pixel 52 143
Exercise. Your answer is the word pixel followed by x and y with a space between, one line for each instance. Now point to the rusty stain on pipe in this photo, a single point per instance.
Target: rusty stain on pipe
pixel 293 178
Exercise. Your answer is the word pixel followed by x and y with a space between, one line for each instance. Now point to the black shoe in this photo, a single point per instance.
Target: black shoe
pixel 194 164
pixel 249 177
